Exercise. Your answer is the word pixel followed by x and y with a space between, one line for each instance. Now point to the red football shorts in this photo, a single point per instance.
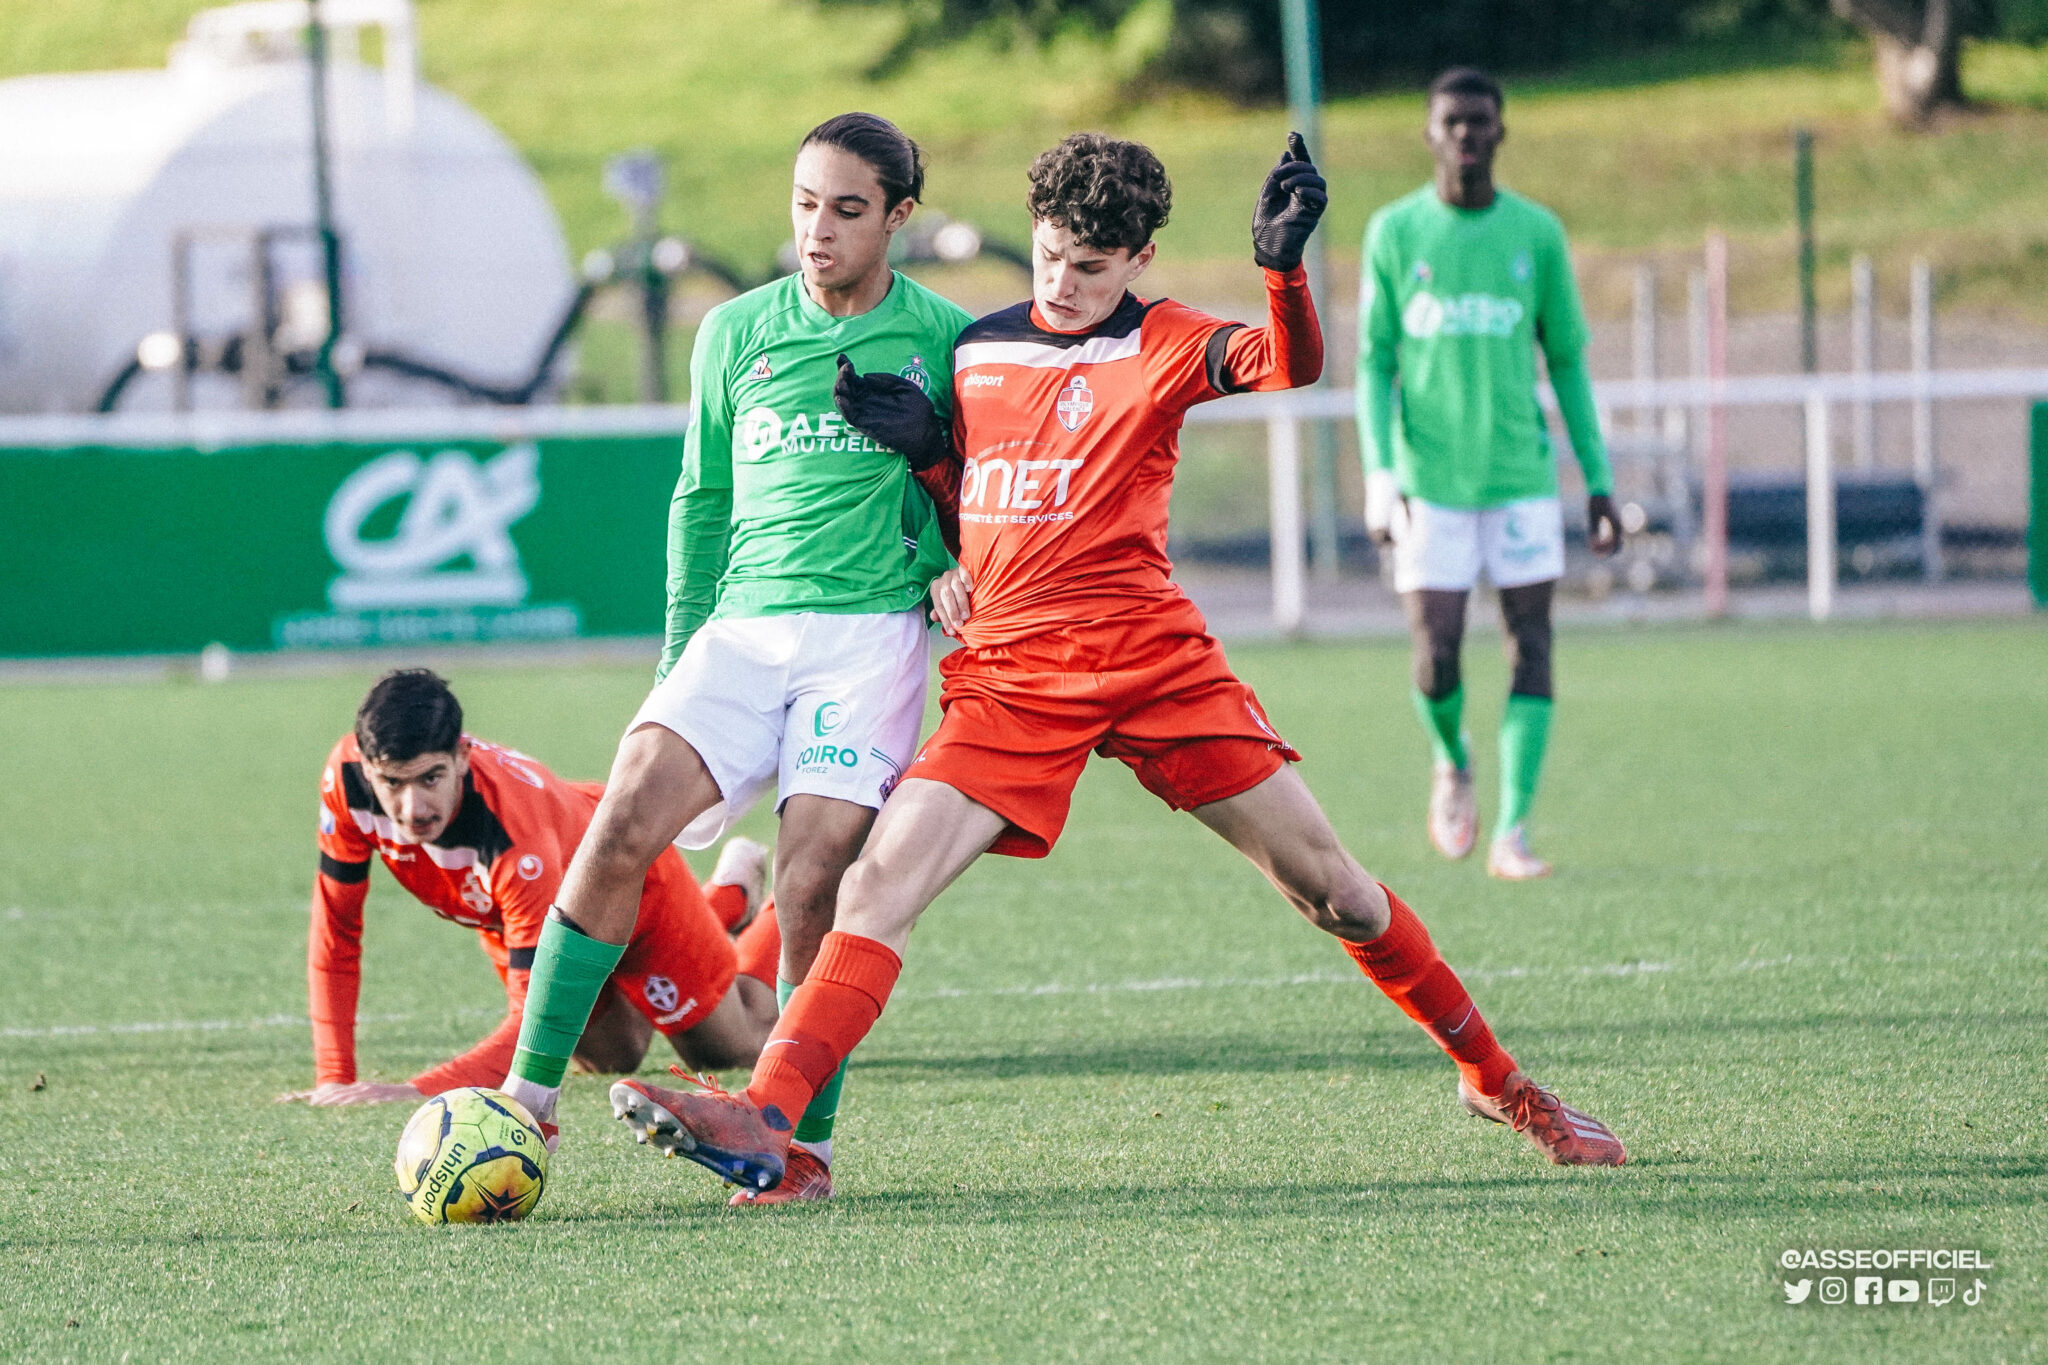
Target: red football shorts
pixel 1151 689
pixel 679 963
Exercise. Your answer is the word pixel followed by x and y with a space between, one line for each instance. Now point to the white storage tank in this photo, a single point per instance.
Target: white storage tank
pixel 452 255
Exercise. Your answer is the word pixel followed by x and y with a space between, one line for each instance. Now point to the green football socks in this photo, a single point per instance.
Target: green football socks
pixel 569 971
pixel 1443 718
pixel 816 1125
pixel 1524 734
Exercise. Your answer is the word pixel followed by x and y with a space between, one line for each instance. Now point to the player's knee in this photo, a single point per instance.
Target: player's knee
pixel 1529 660
pixel 1339 899
pixel 1436 667
pixel 872 903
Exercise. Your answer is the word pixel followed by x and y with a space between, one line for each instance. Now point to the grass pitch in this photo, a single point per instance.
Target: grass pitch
pixel 1124 1105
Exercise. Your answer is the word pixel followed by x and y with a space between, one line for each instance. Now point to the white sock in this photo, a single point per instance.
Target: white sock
pixel 820 1150
pixel 538 1099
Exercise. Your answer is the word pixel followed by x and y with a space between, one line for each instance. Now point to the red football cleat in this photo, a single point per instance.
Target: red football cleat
pixel 722 1132
pixel 804 1178
pixel 1562 1133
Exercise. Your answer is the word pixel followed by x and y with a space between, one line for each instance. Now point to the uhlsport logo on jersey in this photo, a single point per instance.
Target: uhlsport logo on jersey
pixel 1462 315
pixel 457 508
pixel 1075 402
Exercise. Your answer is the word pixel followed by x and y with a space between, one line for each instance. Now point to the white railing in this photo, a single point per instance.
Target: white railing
pixel 1283 414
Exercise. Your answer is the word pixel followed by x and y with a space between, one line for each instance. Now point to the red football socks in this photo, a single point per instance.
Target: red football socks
pixel 728 902
pixel 1405 964
pixel 824 1021
pixel 760 946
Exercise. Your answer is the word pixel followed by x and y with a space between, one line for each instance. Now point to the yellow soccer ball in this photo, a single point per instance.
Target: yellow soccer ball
pixel 471 1156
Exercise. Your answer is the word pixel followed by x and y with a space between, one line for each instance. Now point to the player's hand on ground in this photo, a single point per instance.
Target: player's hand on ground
pixel 1603 525
pixel 891 411
pixel 951 592
pixel 353 1092
pixel 1384 502
pixel 1290 203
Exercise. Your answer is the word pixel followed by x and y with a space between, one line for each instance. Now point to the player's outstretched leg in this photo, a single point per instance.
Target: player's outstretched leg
pixel 1436 628
pixel 658 785
pixel 1279 826
pixel 1524 729
pixel 925 837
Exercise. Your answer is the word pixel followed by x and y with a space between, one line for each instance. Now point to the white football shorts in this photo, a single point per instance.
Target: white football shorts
pixel 1516 543
pixel 809 702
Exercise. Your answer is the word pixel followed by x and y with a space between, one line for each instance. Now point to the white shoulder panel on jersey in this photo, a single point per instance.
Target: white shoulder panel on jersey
pixel 1040 356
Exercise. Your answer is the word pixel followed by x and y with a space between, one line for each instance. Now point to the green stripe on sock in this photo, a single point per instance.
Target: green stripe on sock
pixel 1443 718
pixel 816 1124
pixel 569 971
pixel 1524 735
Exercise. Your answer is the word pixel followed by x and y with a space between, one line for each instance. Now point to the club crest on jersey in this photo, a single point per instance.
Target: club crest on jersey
pixel 1522 267
pixel 1423 272
pixel 1076 401
pixel 762 370
pixel 914 372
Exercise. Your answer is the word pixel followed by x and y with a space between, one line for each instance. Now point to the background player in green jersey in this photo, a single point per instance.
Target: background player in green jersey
pixel 1462 282
pixel 800 553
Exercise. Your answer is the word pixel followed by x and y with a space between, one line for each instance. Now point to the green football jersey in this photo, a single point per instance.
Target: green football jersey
pixel 1455 302
pixel 781 506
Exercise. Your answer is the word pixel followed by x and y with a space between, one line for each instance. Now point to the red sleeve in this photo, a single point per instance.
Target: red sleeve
pixel 1288 351
pixel 487 1062
pixel 334 954
pixel 334 935
pixel 942 482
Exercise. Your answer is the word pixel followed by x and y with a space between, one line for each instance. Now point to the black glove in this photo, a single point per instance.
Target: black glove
pixel 891 411
pixel 1290 202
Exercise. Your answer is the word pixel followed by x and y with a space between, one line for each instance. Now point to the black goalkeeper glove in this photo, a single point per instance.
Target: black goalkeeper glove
pixel 891 411
pixel 1290 202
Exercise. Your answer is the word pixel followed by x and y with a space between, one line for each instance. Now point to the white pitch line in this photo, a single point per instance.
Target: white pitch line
pixel 1164 983
pixel 1190 983
pixel 191 1025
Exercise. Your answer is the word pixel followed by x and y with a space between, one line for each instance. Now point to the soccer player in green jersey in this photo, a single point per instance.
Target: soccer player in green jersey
pixel 800 554
pixel 1462 283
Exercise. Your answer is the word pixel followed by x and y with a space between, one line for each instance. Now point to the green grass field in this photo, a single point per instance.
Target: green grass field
pixel 1123 1106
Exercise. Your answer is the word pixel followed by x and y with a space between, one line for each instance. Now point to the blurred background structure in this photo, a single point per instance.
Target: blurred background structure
pixel 1813 237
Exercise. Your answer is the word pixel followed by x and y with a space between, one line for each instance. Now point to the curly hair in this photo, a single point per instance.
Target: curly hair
pixel 1107 192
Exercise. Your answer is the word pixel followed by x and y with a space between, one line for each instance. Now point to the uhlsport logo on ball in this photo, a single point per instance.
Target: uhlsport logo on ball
pixel 471 1156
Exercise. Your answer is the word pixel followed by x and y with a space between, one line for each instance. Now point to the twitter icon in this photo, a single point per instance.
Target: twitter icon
pixel 1796 1293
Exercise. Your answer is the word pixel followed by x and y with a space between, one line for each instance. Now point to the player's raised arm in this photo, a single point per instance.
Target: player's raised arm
pixel 1287 352
pixel 700 513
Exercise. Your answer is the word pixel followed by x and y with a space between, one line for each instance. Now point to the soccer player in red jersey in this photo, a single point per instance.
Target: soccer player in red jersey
pixel 482 834
pixel 1067 414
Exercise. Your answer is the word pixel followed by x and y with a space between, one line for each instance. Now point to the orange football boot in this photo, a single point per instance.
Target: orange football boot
pixel 1562 1133
pixel 804 1178
pixel 722 1132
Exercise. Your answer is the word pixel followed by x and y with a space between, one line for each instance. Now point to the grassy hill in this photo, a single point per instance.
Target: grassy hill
pixel 1640 157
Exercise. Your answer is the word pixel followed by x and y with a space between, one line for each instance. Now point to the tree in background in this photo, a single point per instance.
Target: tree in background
pixel 1919 49
pixel 1233 46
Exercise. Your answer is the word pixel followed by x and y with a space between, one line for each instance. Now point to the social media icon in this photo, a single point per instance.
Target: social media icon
pixel 1902 1291
pixel 1940 1292
pixel 1796 1293
pixel 1869 1289
pixel 1834 1289
pixel 1974 1295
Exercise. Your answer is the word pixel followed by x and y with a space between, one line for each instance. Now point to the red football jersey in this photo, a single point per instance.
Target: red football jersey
pixel 1069 442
